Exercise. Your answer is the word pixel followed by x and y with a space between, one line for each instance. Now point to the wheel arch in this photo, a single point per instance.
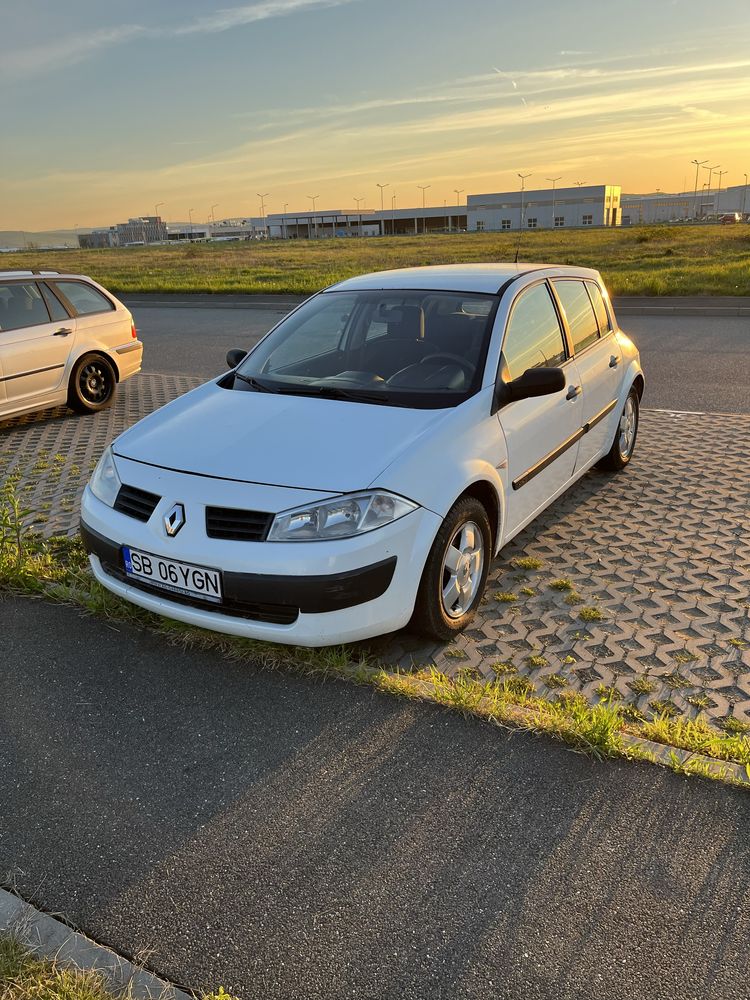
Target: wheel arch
pixel 486 493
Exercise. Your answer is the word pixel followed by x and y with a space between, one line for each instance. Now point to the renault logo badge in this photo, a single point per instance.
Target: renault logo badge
pixel 174 519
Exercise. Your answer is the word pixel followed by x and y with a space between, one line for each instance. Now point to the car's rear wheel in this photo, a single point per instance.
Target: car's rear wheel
pixel 623 444
pixel 92 384
pixel 455 573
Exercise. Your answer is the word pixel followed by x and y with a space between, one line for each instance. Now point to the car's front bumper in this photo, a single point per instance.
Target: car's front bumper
pixel 302 593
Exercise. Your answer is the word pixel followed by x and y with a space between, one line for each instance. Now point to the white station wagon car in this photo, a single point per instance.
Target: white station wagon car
pixel 359 468
pixel 63 340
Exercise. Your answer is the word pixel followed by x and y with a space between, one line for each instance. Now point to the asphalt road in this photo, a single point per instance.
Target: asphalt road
pixel 691 362
pixel 290 839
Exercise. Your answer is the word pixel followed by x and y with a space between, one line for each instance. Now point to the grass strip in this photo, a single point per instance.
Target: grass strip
pixel 642 260
pixel 57 569
pixel 27 976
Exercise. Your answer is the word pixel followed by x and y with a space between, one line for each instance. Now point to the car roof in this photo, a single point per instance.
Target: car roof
pixel 4 275
pixel 488 278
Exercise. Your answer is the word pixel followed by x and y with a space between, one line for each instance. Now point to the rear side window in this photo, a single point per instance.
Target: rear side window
pixel 56 309
pixel 579 312
pixel 84 298
pixel 533 338
pixel 599 308
pixel 21 304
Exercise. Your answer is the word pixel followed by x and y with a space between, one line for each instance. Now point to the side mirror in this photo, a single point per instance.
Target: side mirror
pixel 533 382
pixel 235 357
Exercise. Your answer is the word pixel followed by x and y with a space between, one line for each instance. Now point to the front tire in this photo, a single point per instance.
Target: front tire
pixel 623 445
pixel 92 384
pixel 455 573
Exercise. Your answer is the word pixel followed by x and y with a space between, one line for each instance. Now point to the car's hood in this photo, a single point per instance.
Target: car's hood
pixel 296 441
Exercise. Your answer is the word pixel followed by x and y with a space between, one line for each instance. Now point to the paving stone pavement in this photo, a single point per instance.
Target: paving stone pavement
pixel 656 608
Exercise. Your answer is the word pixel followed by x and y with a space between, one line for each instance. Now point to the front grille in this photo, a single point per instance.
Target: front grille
pixel 238 525
pixel 136 503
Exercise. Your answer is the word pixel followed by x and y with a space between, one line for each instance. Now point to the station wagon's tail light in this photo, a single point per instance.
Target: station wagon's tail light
pixel 133 331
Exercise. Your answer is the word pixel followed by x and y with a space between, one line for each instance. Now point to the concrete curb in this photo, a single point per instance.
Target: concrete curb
pixel 624 305
pixel 50 938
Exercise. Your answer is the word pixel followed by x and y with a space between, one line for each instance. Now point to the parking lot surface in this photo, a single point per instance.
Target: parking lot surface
pixel 653 564
pixel 294 840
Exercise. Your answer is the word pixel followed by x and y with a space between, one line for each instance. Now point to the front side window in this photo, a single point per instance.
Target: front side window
pixel 533 338
pixel 84 298
pixel 21 304
pixel 424 349
pixel 579 312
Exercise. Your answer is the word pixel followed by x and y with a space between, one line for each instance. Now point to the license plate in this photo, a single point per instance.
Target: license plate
pixel 169 574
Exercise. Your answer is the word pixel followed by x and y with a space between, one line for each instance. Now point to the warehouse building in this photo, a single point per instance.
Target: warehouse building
pixel 134 232
pixel 564 208
pixel 703 204
pixel 390 222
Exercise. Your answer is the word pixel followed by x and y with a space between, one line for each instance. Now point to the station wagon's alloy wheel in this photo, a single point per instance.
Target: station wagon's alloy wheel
pixel 625 435
pixel 455 573
pixel 92 384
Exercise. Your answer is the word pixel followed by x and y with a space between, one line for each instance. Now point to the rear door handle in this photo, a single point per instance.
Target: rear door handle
pixel 614 361
pixel 573 391
pixel 64 331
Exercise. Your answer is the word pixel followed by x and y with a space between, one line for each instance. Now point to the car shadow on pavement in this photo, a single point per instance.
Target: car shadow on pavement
pixel 292 838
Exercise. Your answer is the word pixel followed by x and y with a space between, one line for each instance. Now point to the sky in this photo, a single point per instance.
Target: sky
pixel 109 108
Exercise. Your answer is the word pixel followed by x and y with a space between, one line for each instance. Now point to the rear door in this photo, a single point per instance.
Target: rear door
pixel 541 433
pixel 598 359
pixel 99 324
pixel 36 334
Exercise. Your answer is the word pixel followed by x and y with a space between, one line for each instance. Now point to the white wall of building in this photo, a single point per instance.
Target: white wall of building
pixel 595 205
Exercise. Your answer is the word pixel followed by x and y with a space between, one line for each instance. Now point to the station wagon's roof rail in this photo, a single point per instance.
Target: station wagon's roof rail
pixel 25 274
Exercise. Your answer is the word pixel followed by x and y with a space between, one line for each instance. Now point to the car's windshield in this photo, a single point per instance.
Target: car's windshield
pixel 400 348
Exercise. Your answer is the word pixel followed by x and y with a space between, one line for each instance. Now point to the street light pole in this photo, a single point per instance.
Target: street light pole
pixel 393 214
pixel 190 216
pixel 744 195
pixel 213 213
pixel 283 221
pixel 523 188
pixel 720 174
pixel 359 214
pixel 423 188
pixel 382 207
pixel 263 211
pixel 313 198
pixel 553 181
pixel 698 165
pixel 710 171
pixel 458 193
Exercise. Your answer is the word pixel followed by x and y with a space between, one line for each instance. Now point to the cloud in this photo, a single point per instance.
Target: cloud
pixel 235 17
pixel 61 53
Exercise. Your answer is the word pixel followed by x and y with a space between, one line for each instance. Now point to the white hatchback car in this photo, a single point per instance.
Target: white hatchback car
pixel 361 466
pixel 63 340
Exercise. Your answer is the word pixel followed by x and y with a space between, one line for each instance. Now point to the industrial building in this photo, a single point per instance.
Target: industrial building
pixel 703 204
pixel 564 208
pixel 143 229
pixel 389 222
pixel 151 229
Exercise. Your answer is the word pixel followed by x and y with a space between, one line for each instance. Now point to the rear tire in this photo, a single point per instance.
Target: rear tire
pixel 455 574
pixel 626 433
pixel 92 384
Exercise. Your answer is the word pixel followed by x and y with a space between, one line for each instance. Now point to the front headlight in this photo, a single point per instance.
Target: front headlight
pixel 105 483
pixel 342 517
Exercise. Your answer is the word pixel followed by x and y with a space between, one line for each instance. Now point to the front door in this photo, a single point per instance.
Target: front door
pixel 34 348
pixel 542 433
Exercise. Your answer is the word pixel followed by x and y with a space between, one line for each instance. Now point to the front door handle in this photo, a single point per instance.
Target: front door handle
pixel 614 361
pixel 573 391
pixel 64 331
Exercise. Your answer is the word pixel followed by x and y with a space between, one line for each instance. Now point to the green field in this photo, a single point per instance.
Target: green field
pixel 644 260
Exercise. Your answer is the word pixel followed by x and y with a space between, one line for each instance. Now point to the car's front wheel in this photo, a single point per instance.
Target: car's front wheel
pixel 92 384
pixel 623 445
pixel 455 573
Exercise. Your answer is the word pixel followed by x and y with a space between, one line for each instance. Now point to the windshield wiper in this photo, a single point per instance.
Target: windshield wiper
pixel 258 386
pixel 335 392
